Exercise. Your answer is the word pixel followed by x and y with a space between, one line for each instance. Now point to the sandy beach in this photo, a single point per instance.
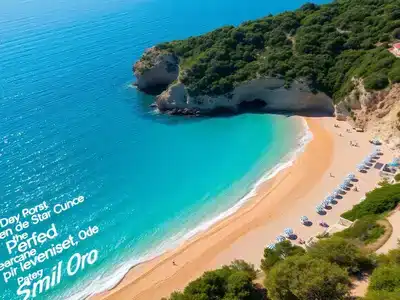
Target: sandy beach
pixel 279 203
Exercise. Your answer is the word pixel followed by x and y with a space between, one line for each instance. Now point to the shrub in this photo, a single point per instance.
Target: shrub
pixel 376 81
pixel 386 279
pixel 377 202
pixel 341 252
pixel 304 278
pixel 365 230
pixel 394 75
pixel 282 250
pixel 228 282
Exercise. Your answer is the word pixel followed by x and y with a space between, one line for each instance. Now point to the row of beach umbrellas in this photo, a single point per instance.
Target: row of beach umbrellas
pixel 362 166
pixel 330 198
pixel 288 232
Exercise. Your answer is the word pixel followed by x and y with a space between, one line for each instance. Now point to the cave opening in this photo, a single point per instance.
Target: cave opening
pixel 252 105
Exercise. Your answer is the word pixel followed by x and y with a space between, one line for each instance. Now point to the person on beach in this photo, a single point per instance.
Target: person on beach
pixel 173 263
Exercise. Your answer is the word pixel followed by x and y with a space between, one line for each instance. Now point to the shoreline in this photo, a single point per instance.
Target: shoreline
pixel 302 138
pixel 231 237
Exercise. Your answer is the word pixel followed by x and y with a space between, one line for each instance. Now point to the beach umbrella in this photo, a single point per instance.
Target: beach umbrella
pixel 319 208
pixel 325 203
pixel 351 176
pixel 378 150
pixel 336 192
pixel 271 246
pixel 360 167
pixel 343 186
pixel 288 231
pixel 330 198
pixel 303 219
pixel 280 238
pixel 395 162
pixel 347 181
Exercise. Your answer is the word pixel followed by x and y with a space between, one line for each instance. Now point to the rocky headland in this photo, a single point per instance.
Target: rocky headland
pixel 316 59
pixel 161 69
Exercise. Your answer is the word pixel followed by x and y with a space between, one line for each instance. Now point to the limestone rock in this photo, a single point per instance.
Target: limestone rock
pixel 268 94
pixel 156 68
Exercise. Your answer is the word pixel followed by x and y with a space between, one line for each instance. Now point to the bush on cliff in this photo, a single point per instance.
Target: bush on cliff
pixel 376 81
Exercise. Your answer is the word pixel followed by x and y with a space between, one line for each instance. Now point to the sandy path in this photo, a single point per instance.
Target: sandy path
pixel 392 242
pixel 278 204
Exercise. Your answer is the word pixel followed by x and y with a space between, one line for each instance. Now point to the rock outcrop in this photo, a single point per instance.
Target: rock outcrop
pixel 267 94
pixel 377 112
pixel 156 68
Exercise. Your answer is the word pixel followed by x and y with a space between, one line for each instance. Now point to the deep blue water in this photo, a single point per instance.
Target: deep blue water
pixel 71 125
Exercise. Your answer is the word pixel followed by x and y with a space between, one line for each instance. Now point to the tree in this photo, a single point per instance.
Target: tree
pixel 282 250
pixel 232 282
pixel 241 265
pixel 341 252
pixel 306 278
pixel 385 278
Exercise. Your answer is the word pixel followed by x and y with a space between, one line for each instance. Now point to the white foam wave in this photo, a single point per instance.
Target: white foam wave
pixel 107 282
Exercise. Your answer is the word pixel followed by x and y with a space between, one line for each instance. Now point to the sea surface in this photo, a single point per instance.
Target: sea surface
pixel 71 124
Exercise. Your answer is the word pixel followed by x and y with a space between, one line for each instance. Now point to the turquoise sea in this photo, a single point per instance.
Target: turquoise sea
pixel 71 124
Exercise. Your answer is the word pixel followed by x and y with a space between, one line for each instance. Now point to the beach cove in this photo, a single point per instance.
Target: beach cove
pixel 279 203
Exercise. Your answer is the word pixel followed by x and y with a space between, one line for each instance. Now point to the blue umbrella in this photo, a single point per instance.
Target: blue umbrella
pixel 280 238
pixel 330 198
pixel 361 167
pixel 288 231
pixel 336 192
pixel 271 246
pixel 351 176
pixel 343 186
pixel 325 203
pixel 303 219
pixel 347 181
pixel 319 208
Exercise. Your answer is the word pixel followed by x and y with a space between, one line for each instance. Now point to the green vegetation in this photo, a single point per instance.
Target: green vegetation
pixel 282 250
pixel 343 253
pixel 385 280
pixel 364 231
pixel 323 45
pixel 227 283
pixel 304 278
pixel 377 202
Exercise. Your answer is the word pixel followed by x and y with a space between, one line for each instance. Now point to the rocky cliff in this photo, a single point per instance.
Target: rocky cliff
pixel 269 94
pixel 155 68
pixel 377 112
